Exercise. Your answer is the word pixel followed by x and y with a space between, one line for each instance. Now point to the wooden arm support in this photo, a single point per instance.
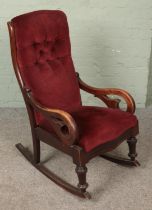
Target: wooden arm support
pixel 62 122
pixel 103 95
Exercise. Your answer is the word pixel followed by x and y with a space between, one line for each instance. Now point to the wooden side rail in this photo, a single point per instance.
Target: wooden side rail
pixel 62 122
pixel 102 93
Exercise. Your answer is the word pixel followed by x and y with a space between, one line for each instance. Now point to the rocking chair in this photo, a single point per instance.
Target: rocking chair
pixel 41 55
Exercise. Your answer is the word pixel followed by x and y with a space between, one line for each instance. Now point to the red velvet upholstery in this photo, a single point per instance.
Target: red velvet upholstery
pixel 99 125
pixel 44 58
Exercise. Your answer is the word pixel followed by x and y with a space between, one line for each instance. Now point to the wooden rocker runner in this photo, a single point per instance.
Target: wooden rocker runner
pixel 41 54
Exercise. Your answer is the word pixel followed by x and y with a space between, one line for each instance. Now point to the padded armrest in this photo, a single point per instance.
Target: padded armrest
pixel 62 122
pixel 103 93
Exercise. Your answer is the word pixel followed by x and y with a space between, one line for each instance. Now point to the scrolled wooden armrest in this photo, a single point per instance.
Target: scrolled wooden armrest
pixel 62 122
pixel 102 93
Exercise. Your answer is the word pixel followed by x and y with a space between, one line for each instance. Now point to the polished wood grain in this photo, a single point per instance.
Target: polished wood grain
pixel 102 93
pixel 62 122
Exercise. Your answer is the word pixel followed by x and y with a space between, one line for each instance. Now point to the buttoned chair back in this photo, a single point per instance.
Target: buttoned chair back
pixel 44 58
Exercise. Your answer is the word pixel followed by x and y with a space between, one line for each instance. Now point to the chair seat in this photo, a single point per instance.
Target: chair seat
pixel 101 125
pixel 98 125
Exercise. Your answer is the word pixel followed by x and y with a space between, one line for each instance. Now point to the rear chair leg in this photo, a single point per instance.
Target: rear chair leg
pixel 132 149
pixel 123 161
pixel 36 150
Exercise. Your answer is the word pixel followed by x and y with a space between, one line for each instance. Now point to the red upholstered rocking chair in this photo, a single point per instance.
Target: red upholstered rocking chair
pixel 41 55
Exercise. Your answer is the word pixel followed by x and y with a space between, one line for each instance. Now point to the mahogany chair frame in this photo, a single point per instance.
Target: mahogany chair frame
pixel 67 131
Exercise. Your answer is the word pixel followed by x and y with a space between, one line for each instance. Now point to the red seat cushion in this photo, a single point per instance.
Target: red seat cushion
pixel 99 125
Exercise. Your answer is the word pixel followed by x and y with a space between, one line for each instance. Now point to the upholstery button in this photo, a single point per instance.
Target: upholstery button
pixel 56 41
pixel 45 43
pixel 34 44
pixel 48 61
pixel 41 52
pixel 53 49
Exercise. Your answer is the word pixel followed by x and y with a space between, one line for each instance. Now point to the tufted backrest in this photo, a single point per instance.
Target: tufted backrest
pixel 44 58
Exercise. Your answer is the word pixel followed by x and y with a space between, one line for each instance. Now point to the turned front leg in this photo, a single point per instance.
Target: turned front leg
pixel 132 148
pixel 81 172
